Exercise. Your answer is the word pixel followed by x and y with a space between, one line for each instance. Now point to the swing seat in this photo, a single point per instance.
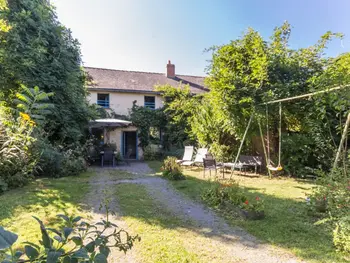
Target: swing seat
pixel 272 168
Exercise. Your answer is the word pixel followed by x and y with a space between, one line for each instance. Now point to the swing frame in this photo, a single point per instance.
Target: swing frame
pixel 307 95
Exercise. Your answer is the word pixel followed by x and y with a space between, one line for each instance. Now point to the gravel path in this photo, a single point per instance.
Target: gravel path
pixel 234 243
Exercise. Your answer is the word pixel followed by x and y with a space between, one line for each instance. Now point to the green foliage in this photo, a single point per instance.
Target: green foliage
pixel 221 195
pixel 256 205
pixel 34 102
pixel 38 50
pixel 90 242
pixel 17 158
pixel 249 71
pixel 333 196
pixel 171 169
pixel 152 154
pixel 145 119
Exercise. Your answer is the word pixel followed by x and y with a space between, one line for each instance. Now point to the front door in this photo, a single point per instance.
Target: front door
pixel 130 144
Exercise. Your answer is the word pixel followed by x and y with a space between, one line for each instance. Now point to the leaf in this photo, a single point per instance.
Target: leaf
pixel 67 231
pixel 46 240
pixel 81 253
pixel 7 238
pixel 53 256
pixel 66 259
pixel 100 258
pixel 104 250
pixel 77 240
pixel 31 252
pixel 78 218
pixel 18 254
pixel 90 247
pixel 64 217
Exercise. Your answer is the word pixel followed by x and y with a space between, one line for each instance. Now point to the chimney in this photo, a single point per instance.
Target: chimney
pixel 170 70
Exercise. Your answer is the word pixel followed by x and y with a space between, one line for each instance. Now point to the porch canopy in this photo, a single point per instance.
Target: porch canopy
pixel 99 123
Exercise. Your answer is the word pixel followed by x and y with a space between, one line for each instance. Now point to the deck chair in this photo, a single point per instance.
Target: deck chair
pixel 201 152
pixel 187 154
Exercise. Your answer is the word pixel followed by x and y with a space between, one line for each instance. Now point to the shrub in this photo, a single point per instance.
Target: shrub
pixel 171 169
pixel 257 205
pixel 151 154
pixel 17 158
pixel 341 234
pixel 221 194
pixel 334 193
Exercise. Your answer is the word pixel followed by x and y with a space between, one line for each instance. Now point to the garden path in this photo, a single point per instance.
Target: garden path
pixel 210 232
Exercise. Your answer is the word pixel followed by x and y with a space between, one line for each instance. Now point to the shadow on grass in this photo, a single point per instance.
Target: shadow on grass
pixel 44 196
pixel 286 225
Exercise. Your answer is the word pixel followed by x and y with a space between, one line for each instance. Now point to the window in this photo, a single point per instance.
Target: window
pixel 103 100
pixel 150 102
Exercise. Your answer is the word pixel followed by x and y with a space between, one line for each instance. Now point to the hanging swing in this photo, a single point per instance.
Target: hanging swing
pixel 269 162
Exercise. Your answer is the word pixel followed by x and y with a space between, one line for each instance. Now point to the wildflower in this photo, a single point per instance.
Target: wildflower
pixel 257 198
pixel 246 202
pixel 24 116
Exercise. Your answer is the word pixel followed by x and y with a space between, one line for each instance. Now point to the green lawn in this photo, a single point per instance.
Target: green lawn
pixel 161 240
pixel 287 223
pixel 44 198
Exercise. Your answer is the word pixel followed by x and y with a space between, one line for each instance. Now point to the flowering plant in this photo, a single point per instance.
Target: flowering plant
pixel 257 204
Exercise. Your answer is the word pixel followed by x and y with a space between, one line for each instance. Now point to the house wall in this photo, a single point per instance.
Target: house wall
pixel 122 102
pixel 115 137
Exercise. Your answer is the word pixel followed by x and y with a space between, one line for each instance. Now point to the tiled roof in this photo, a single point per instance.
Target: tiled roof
pixel 133 81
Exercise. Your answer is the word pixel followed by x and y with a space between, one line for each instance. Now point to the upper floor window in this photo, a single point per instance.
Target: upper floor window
pixel 150 102
pixel 103 100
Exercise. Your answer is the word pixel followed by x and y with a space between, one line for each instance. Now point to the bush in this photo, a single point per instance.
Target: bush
pixel 56 162
pixel 171 169
pixel 151 154
pixel 333 192
pixel 341 234
pixel 221 194
pixel 18 160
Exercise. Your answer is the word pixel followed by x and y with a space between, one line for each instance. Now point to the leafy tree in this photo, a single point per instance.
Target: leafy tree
pixel 37 50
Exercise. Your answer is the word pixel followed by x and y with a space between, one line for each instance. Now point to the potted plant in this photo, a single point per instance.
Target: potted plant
pixel 253 210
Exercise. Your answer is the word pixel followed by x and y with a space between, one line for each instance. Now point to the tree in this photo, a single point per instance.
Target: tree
pixel 37 50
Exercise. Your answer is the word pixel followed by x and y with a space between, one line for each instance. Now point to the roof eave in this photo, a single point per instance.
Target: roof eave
pixel 123 90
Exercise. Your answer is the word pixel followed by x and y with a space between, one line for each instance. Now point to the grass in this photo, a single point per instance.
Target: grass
pixel 161 238
pixel 44 198
pixel 287 223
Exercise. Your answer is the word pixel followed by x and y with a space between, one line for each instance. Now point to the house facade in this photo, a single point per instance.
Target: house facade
pixel 117 90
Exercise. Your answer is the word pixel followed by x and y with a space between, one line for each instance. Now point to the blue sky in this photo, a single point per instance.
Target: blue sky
pixel 142 35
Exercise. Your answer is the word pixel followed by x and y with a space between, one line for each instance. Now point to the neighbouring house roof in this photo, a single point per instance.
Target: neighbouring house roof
pixel 134 81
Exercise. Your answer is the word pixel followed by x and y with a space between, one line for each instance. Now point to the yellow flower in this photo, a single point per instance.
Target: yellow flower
pixel 24 116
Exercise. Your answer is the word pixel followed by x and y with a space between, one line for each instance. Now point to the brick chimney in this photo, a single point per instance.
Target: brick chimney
pixel 170 70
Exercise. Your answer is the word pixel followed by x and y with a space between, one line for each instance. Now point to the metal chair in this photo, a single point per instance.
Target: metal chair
pixel 209 164
pixel 107 156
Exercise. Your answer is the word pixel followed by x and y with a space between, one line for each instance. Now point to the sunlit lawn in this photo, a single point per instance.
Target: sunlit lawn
pixel 44 198
pixel 287 223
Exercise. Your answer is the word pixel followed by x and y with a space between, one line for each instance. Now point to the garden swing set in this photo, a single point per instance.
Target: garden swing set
pixel 269 165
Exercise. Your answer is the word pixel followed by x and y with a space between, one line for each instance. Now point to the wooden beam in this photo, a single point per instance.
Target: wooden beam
pixel 306 95
pixel 345 131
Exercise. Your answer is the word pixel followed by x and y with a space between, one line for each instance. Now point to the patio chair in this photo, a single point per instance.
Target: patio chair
pixel 187 154
pixel 107 156
pixel 209 164
pixel 201 152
